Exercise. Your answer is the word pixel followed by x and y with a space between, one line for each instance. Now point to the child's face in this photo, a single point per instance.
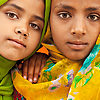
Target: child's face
pixel 21 24
pixel 75 26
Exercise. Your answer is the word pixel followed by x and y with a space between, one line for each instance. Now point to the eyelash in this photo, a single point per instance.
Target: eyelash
pixel 12 15
pixel 34 26
pixel 64 15
pixel 93 17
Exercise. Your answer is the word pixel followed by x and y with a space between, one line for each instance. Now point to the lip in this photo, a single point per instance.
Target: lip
pixel 77 45
pixel 17 43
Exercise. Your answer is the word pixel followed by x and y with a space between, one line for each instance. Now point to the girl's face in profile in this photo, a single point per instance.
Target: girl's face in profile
pixel 75 26
pixel 21 24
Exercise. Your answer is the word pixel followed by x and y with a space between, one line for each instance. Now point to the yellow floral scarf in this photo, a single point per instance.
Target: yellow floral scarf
pixel 65 80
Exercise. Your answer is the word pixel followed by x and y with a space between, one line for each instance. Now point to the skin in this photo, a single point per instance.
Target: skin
pixel 32 67
pixel 75 26
pixel 21 24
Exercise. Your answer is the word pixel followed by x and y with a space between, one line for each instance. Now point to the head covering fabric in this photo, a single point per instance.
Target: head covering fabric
pixel 2 2
pixel 62 78
pixel 6 85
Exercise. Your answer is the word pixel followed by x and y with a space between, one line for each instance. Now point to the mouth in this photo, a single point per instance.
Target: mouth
pixel 17 43
pixel 77 45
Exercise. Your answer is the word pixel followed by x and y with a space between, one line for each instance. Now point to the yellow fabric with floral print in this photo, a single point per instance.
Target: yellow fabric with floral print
pixel 65 80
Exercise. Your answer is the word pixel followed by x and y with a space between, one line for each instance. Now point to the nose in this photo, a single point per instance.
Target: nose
pixel 22 30
pixel 79 27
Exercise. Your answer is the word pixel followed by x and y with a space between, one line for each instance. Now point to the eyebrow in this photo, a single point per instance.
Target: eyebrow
pixel 92 8
pixel 64 7
pixel 21 9
pixel 39 18
pixel 17 7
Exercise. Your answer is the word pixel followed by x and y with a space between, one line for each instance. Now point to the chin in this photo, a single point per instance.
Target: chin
pixel 12 57
pixel 76 58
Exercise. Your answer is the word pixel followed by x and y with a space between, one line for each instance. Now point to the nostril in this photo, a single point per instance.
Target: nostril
pixel 73 32
pixel 19 31
pixel 25 35
pixel 83 33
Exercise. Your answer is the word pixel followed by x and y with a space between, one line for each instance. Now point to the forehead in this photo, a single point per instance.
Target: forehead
pixel 26 6
pixel 78 4
pixel 26 3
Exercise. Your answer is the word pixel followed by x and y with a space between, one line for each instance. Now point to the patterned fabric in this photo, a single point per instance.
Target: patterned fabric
pixel 64 79
pixel 18 96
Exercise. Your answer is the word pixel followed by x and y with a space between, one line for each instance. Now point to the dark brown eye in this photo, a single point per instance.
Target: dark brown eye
pixel 34 26
pixel 12 15
pixel 94 17
pixel 64 15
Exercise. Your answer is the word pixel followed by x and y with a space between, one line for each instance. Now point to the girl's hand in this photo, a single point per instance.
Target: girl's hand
pixel 31 68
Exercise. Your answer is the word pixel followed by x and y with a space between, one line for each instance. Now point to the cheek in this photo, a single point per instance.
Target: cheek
pixel 33 42
pixel 94 37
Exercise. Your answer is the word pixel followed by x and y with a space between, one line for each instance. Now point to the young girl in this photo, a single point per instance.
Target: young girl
pixel 21 25
pixel 72 72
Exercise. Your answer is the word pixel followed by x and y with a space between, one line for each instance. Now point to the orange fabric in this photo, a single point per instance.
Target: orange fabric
pixel 43 50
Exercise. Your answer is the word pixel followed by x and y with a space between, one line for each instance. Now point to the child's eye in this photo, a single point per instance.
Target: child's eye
pixel 94 17
pixel 12 15
pixel 34 26
pixel 64 15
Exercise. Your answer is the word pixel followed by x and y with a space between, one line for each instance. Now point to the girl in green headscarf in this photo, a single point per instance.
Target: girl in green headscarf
pixel 21 26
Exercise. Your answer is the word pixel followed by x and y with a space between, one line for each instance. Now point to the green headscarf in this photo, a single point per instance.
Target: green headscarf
pixel 6 85
pixel 2 2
